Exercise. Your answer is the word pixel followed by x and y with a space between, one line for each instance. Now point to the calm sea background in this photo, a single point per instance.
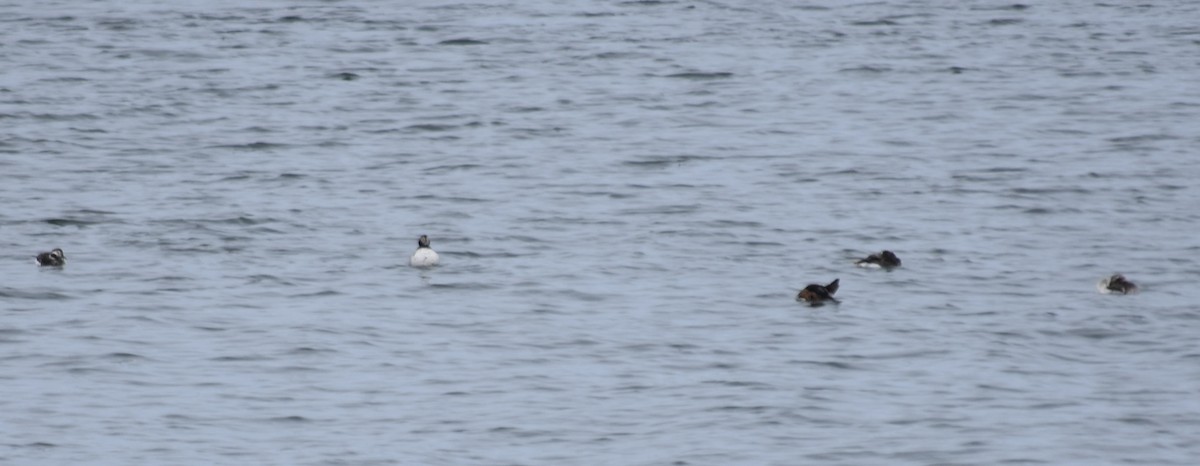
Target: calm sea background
pixel 626 197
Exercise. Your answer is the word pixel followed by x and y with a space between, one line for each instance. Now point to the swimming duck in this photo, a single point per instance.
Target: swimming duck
pixel 54 258
pixel 424 256
pixel 885 259
pixel 816 295
pixel 1116 284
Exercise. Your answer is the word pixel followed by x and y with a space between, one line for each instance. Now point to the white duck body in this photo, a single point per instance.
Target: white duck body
pixel 424 256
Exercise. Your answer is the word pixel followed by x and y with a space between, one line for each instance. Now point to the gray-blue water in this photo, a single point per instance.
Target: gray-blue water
pixel 626 197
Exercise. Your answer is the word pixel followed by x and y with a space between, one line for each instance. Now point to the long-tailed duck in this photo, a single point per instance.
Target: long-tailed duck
pixel 885 259
pixel 54 258
pixel 1116 284
pixel 816 295
pixel 424 256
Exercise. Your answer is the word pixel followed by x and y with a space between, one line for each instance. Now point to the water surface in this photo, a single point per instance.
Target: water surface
pixel 626 197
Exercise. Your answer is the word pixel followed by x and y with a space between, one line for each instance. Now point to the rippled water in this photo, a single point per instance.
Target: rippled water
pixel 626 197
